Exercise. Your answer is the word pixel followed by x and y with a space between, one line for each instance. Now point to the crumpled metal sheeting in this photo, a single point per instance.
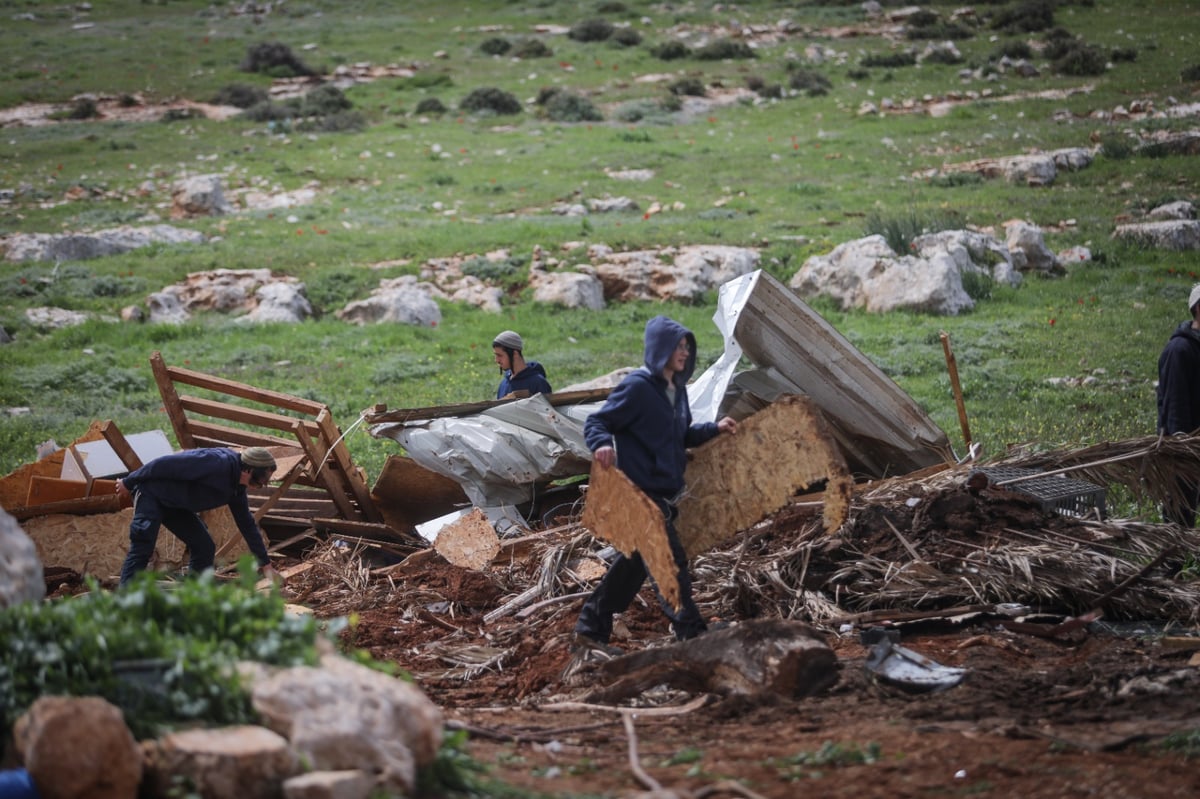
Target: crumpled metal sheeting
pixel 498 455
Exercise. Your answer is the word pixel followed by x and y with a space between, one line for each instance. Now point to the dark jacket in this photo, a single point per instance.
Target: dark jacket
pixel 201 479
pixel 650 434
pixel 1179 382
pixel 532 379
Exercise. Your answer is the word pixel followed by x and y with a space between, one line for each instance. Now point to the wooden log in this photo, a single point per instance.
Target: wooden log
pixel 754 658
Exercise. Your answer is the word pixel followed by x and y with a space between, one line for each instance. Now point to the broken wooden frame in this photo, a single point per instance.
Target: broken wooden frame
pixel 320 485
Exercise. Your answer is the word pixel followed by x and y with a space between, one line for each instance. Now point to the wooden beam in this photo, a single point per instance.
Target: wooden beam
pixel 341 457
pixel 116 439
pixel 266 397
pixel 205 434
pixel 370 531
pixel 170 397
pixel 326 477
pixel 238 413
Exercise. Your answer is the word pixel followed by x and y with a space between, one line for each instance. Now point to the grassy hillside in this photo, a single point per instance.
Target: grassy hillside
pixel 793 174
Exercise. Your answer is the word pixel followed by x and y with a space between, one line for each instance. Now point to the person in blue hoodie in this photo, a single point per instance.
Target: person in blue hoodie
pixel 1179 401
pixel 644 429
pixel 172 489
pixel 516 373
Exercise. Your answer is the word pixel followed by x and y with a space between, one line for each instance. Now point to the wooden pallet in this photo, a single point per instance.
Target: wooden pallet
pixel 318 477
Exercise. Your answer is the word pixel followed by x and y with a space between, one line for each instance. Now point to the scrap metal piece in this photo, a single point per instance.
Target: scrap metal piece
pixel 892 664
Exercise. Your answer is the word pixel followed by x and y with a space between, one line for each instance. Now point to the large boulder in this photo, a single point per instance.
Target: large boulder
pixel 21 576
pixel 1176 235
pixel 672 273
pixel 248 762
pixel 280 301
pixel 343 715
pixel 867 273
pixel 199 195
pixel 82 246
pixel 1028 247
pixel 400 300
pixel 78 747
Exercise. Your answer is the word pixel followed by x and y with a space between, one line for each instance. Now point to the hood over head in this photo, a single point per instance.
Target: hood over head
pixel 661 337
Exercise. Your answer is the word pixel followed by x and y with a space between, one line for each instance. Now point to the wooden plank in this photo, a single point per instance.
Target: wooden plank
pixel 381 414
pixel 170 398
pixel 75 507
pixel 277 494
pixel 54 489
pixel 370 531
pixel 116 439
pixel 358 487
pixel 266 397
pixel 215 435
pixel 325 476
pixel 238 413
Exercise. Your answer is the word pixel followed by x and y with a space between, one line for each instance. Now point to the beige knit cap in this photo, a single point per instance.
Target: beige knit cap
pixel 258 458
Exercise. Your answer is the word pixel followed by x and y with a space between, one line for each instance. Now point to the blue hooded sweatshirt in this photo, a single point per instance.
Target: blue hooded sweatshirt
pixel 532 379
pixel 651 435
pixel 1179 382
pixel 198 480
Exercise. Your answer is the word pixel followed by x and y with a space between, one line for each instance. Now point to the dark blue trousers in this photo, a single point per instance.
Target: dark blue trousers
pixel 148 515
pixel 624 579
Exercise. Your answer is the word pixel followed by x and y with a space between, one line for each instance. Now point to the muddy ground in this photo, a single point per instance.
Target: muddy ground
pixel 1089 711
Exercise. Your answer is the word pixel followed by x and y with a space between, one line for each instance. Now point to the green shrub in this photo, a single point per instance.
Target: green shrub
pixel 83 108
pixel 687 87
pixel 494 271
pixel 889 60
pixel 723 49
pixel 673 50
pixel 240 95
pixel 495 45
pixel 275 59
pixel 571 107
pixel 324 100
pixel 427 80
pixel 951 31
pixel 431 105
pixel 1125 55
pixel 952 179
pixel 627 37
pixel 532 48
pixel 611 7
pixel 341 122
pixel 1081 60
pixel 899 231
pixel 491 100
pixel 192 634
pixel 591 30
pixel 1190 74
pixel 1014 50
pixel 809 81
pixel 1026 17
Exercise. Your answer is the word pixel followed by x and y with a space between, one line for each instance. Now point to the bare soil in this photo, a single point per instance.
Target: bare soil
pixel 1083 713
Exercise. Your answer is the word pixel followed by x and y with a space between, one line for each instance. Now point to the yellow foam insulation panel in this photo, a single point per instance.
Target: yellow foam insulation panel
pixel 617 511
pixel 96 544
pixel 470 542
pixel 734 481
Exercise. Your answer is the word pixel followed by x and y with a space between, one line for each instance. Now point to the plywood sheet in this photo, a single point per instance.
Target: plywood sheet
pixel 471 542
pixel 96 545
pixel 736 480
pixel 407 494
pixel 617 511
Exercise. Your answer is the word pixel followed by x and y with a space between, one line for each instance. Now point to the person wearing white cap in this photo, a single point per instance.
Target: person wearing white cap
pixel 516 373
pixel 1179 401
pixel 172 489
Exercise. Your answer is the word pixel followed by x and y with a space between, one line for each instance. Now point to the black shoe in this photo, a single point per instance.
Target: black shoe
pixel 588 648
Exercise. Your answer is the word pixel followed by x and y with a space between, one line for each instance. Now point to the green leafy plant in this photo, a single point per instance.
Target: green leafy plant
pixel 165 653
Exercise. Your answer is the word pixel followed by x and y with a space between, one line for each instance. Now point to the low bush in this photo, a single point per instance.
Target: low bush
pixel 724 49
pixel 274 59
pixel 532 48
pixel 571 107
pixel 1081 60
pixel 591 30
pixel 687 87
pixel 889 60
pixel 431 105
pixel 240 95
pixel 1190 74
pixel 627 37
pixel 495 46
pixel 673 50
pixel 1026 17
pixel 809 81
pixel 491 100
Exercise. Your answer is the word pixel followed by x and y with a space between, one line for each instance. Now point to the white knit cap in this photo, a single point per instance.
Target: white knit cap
pixel 1194 297
pixel 509 340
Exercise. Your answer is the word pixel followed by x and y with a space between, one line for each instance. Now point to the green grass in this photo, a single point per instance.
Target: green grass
pixel 414 187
